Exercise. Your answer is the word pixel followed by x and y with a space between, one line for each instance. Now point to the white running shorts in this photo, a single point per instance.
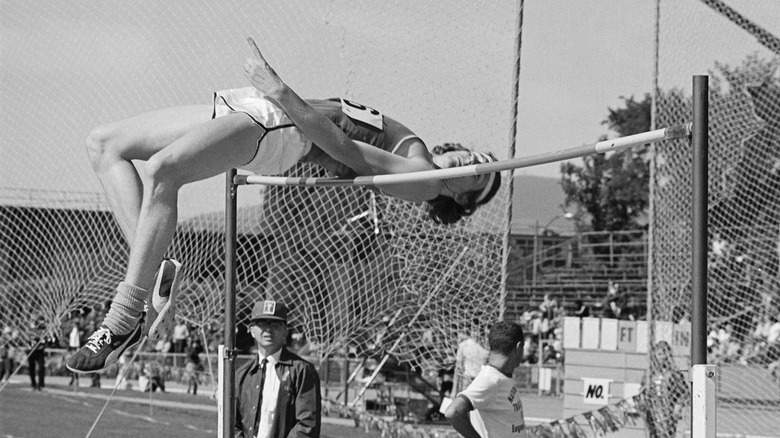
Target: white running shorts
pixel 282 144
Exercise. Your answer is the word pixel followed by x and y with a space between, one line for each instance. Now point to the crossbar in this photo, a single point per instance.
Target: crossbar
pixel 672 132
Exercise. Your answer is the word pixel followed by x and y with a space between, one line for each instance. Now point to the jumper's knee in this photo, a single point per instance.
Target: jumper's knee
pixel 162 174
pixel 100 147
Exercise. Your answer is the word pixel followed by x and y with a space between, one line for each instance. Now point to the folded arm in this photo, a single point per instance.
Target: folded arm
pixel 363 158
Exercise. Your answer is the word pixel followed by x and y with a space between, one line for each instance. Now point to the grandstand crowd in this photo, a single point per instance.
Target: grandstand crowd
pixel 751 337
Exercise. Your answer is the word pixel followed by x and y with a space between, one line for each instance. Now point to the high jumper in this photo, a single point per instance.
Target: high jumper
pixel 265 129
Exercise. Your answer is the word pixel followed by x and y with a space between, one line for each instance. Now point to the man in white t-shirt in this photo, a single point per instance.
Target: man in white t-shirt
pixel 491 407
pixel 469 359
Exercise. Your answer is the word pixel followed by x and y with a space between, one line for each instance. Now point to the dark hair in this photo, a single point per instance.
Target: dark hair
pixel 504 336
pixel 445 210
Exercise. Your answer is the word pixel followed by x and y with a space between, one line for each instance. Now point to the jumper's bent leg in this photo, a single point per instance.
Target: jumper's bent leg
pixel 205 150
pixel 112 147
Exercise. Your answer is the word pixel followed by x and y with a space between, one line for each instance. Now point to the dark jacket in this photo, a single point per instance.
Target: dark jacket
pixel 299 405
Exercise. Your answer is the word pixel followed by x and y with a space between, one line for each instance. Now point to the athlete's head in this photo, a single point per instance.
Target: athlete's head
pixel 468 192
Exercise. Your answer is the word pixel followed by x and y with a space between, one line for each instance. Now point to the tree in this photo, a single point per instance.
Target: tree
pixel 610 192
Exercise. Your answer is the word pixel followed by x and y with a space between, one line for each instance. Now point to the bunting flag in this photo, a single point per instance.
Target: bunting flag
pixel 390 428
pixel 575 430
pixel 557 430
pixel 610 418
pixel 594 424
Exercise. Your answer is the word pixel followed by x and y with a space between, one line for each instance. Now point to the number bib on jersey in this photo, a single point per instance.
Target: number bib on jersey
pixel 362 113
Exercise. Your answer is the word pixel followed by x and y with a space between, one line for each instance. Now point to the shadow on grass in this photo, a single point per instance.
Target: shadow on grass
pixel 60 412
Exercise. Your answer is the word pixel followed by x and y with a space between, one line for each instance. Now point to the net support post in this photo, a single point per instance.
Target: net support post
pixel 704 421
pixel 699 143
pixel 703 393
pixel 227 362
pixel 220 392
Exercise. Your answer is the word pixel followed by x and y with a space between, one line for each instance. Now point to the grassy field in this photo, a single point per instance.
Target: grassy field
pixel 59 412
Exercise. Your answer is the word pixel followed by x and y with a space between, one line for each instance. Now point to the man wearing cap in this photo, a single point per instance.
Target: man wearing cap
pixel 278 392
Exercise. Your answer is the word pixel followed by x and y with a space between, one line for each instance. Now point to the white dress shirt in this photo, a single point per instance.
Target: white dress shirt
pixel 270 395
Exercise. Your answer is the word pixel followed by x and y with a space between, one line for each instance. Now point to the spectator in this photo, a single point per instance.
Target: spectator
pixel 761 332
pixel 278 393
pixel 712 339
pixel 666 393
pixel 613 302
pixel 631 310
pixel 153 373
pixel 95 380
pixel 581 309
pixel 536 326
pixel 771 353
pixel 446 380
pixel 469 358
pixel 491 405
pixel 74 343
pixel 179 337
pixel 725 347
pixel 550 355
pixel 724 333
pixel 194 366
pixel 6 361
pixel 36 364
pixel 548 307
pixel 544 327
pixel 719 247
pixel 530 352
pixel 773 333
pixel 163 345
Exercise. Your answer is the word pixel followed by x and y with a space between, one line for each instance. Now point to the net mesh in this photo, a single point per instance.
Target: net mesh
pixel 741 55
pixel 342 258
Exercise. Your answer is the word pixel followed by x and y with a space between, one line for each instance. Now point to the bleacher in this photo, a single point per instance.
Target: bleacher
pixel 576 267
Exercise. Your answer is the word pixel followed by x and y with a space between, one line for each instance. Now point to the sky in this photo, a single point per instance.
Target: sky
pixel 576 63
pixel 67 66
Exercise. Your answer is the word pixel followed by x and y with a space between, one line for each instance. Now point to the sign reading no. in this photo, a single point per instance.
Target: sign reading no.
pixel 595 391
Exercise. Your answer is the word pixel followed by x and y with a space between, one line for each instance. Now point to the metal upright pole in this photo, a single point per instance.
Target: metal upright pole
pixel 229 364
pixel 703 410
pixel 699 221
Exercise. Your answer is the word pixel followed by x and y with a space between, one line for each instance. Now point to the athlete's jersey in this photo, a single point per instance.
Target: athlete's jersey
pixel 360 123
pixel 363 123
pixel 282 144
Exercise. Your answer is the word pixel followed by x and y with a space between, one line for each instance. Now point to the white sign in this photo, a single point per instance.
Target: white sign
pixel 595 391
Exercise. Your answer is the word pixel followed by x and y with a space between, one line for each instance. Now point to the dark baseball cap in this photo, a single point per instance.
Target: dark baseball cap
pixel 269 310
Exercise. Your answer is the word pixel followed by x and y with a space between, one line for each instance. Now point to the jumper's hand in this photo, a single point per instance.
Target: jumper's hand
pixel 260 74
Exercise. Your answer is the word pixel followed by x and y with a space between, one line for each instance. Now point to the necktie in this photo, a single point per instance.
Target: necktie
pixel 260 393
pixel 263 363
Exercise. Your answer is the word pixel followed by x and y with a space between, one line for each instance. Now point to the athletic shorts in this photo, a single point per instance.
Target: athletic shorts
pixel 280 146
